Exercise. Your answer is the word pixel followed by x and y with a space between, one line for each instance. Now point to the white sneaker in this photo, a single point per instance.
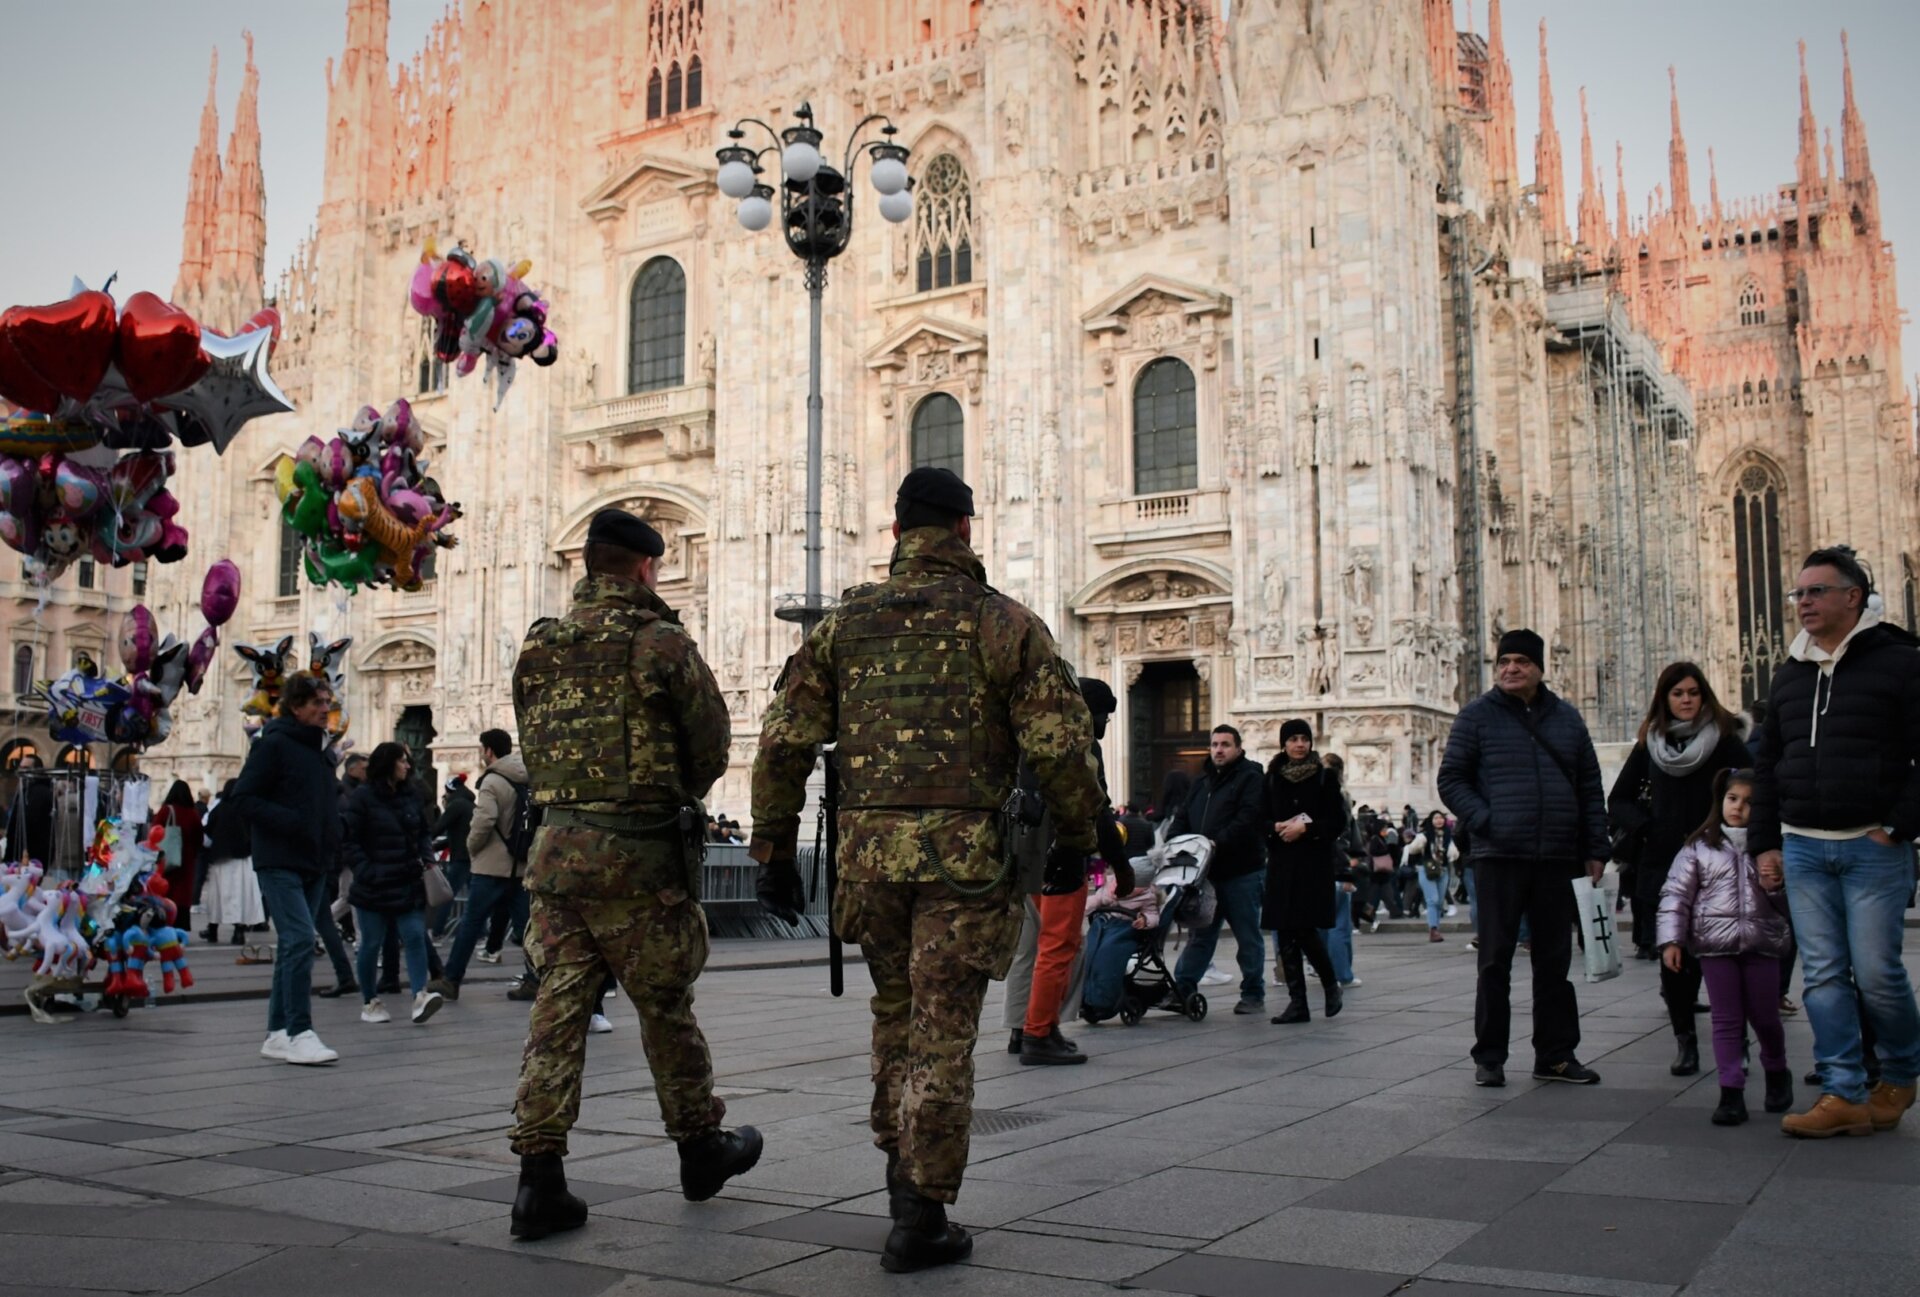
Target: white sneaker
pixel 1472 944
pixel 275 1046
pixel 1352 981
pixel 1374 926
pixel 374 1011
pixel 1452 910
pixel 425 1005
pixel 306 1050
pixel 598 1025
pixel 488 956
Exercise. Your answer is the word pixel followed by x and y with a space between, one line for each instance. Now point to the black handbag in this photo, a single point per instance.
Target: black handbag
pixel 1628 824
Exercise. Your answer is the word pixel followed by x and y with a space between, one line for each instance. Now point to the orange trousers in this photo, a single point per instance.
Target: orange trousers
pixel 1062 929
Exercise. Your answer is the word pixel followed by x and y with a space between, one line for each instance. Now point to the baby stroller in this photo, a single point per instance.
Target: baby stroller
pixel 1178 867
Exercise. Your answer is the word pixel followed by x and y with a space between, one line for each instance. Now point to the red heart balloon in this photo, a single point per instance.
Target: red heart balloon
pixel 69 344
pixel 18 381
pixel 265 318
pixel 159 351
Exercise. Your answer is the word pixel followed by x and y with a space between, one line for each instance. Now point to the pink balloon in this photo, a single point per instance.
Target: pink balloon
pixel 138 635
pixel 201 655
pixel 220 593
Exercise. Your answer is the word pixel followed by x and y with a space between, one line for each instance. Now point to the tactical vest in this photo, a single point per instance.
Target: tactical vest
pixel 920 727
pixel 588 732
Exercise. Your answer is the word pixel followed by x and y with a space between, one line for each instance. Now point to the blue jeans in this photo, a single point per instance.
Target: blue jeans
pixel 291 900
pixel 1434 890
pixel 1849 900
pixel 412 927
pixel 1112 941
pixel 1239 908
pixel 485 895
pixel 1339 937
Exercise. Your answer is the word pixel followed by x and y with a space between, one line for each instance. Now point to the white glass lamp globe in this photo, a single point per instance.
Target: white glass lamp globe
pixel 889 175
pixel 736 179
pixel 897 206
pixel 801 161
pixel 756 213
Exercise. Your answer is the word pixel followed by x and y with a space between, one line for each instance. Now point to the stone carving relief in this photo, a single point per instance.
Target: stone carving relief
pixel 1370 763
pixel 1270 453
pixel 1019 457
pixel 1320 651
pixel 1167 633
pixel 1013 123
pixel 1050 456
pixel 1396 417
pixel 1159 587
pixel 1359 418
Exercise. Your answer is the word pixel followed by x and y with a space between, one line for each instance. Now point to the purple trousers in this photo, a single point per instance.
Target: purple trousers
pixel 1744 989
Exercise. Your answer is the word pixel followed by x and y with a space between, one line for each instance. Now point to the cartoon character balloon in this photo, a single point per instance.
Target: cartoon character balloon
pixel 482 310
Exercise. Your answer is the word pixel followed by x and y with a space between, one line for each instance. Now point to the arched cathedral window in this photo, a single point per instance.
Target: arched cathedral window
pixel 675 31
pixel 939 434
pixel 1758 503
pixel 1753 303
pixel 657 327
pixel 1166 442
pixel 943 226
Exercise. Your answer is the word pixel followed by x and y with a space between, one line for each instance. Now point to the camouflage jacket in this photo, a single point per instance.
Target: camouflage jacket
pixel 1033 698
pixel 676 737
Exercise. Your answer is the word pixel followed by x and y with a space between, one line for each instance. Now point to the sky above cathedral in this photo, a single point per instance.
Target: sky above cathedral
pixel 106 159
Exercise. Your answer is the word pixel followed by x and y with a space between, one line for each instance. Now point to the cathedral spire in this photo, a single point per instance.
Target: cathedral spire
pixel 1713 185
pixel 240 233
pixel 1593 204
pixel 1620 190
pixel 1807 163
pixel 1680 184
pixel 1549 172
pixel 1853 129
pixel 1503 163
pixel 203 198
pixel 1443 50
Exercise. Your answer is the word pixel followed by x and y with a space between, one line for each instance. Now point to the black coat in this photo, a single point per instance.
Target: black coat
pixel 1301 873
pixel 1514 799
pixel 30 821
pixel 386 848
pixel 454 822
pixel 228 834
pixel 286 793
pixel 1226 805
pixel 1842 751
pixel 1679 805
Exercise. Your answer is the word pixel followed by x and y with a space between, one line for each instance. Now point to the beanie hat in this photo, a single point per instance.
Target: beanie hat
pixel 1526 644
pixel 1296 726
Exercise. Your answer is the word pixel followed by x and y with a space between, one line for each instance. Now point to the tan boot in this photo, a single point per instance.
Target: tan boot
pixel 1830 1115
pixel 1887 1102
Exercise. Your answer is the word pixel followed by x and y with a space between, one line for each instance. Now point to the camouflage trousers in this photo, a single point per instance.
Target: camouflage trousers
pixel 930 952
pixel 655 949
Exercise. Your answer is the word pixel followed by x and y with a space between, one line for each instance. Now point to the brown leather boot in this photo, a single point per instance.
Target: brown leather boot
pixel 1887 1103
pixel 1830 1115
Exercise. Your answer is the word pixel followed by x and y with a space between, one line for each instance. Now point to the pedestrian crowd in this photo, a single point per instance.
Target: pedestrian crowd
pixel 978 841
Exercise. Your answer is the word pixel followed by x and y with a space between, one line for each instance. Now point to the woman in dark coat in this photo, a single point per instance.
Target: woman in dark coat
pixel 385 845
pixel 183 849
pixel 1307 815
pixel 1686 739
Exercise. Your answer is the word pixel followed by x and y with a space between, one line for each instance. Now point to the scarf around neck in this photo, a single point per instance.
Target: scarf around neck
pixel 1685 747
pixel 1300 771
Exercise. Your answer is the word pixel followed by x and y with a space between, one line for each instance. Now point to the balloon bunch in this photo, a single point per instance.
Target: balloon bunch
pixel 62 507
pixel 482 309
pixel 88 372
pixel 84 707
pixel 364 503
pixel 274 664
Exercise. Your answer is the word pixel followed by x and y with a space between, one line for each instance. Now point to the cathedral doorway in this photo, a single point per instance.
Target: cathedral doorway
pixel 414 731
pixel 1759 566
pixel 1169 717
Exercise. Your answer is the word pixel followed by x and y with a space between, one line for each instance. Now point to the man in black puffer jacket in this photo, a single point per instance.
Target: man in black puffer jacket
pixel 1521 774
pixel 286 793
pixel 1227 804
pixel 1836 808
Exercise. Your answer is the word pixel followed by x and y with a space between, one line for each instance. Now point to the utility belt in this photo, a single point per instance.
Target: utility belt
pixel 687 825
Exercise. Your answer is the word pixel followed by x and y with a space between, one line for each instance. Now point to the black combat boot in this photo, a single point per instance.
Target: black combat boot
pixel 922 1236
pixel 1335 996
pixel 543 1206
pixel 708 1161
pixel 1779 1090
pixel 1059 1038
pixel 1733 1107
pixel 1687 1061
pixel 900 1195
pixel 1048 1050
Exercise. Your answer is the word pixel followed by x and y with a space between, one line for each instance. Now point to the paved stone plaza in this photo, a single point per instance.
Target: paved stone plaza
pixel 1344 1159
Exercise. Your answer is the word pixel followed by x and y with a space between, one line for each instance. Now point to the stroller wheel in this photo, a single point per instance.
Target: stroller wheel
pixel 1130 1014
pixel 1196 1006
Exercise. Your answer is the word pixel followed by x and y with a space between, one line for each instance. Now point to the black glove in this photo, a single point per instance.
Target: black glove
pixel 782 894
pixel 1066 871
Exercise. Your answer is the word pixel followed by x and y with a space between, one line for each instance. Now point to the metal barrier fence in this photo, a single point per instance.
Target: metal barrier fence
pixel 727 893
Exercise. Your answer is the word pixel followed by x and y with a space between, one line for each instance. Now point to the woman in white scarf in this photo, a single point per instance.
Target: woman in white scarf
pixel 1663 794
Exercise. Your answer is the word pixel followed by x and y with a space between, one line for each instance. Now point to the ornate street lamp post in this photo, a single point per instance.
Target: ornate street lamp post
pixel 816 217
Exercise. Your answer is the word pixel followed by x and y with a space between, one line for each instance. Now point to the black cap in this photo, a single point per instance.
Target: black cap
pixel 938 489
pixel 622 530
pixel 1526 644
pixel 1099 697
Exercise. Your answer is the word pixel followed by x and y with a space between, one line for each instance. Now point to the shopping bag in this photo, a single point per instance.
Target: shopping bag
pixel 1595 902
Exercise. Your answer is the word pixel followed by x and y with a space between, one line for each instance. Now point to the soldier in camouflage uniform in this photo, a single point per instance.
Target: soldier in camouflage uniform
pixel 933 686
pixel 624 731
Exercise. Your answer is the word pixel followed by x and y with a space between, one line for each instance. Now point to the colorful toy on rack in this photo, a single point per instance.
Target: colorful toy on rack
pixel 64 952
pixel 21 901
pixel 482 310
pixel 364 503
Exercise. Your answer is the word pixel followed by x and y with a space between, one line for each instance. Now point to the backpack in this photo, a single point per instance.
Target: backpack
pixel 525 822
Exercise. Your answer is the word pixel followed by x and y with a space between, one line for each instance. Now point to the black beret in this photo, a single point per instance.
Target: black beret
pixel 622 530
pixel 937 488
pixel 1099 697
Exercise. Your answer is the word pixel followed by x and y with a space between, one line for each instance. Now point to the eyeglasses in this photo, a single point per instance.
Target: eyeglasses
pixel 1807 592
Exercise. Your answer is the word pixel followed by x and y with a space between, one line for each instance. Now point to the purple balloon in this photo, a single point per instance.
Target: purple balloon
pixel 220 592
pixel 138 635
